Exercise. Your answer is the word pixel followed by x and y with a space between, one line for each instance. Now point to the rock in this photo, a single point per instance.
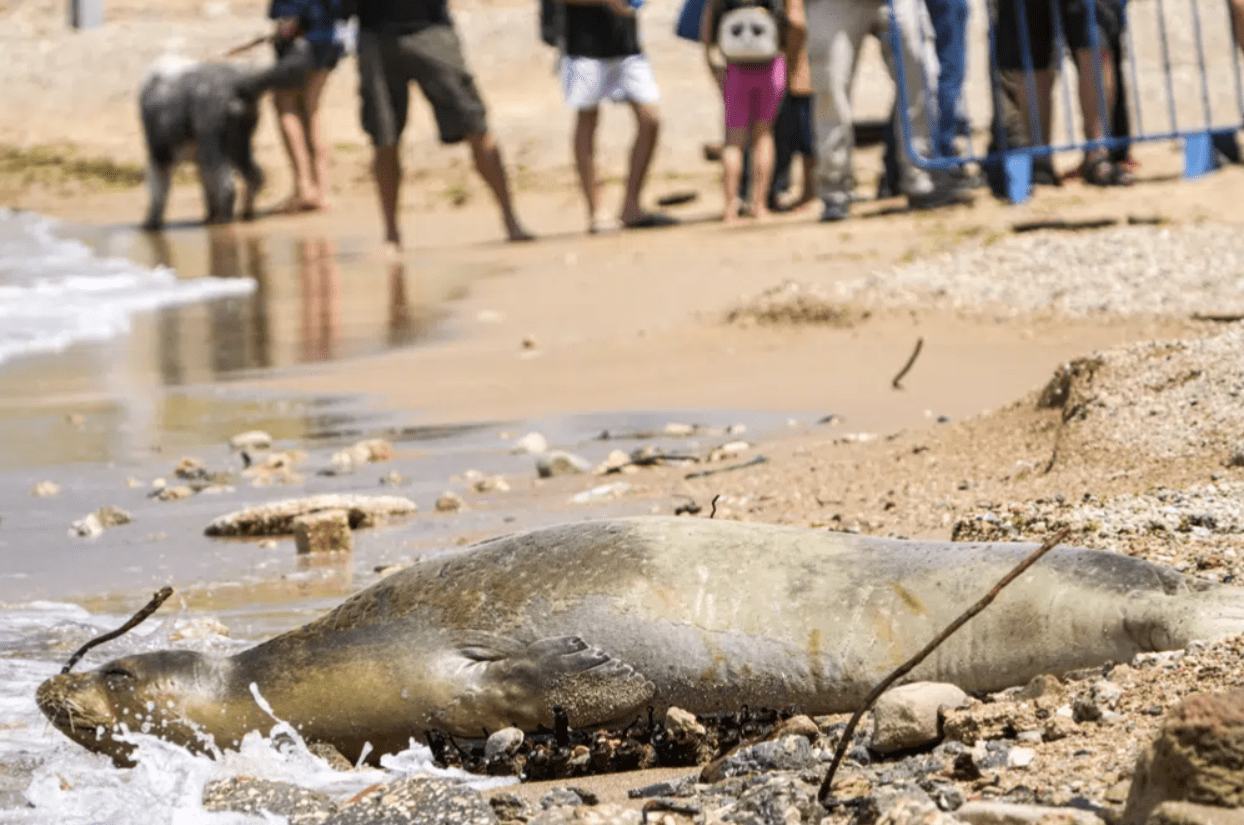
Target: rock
pixel 251 440
pixel 248 795
pixel 418 800
pixel 909 716
pixel 504 742
pixel 595 815
pixel 450 502
pixel 992 721
pixel 797 725
pixel 780 798
pixel 1189 813
pixel 790 753
pixel 490 484
pixel 674 428
pixel 1198 756
pixel 99 521
pixel 682 723
pixel 277 518
pixel 45 489
pixel 393 478
pixel 324 531
pixel 601 493
pixel 532 443
pixel 1237 458
pixel 177 493
pixel 510 808
pixel 1020 757
pixel 133 483
pixel 559 463
pixel 331 756
pixel 190 468
pixel 360 453
pixel 728 450
pixel 203 627
pixel 1003 813
pixel 911 811
pixel 618 461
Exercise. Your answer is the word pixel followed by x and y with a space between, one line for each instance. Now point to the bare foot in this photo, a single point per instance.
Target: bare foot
pixel 295 204
pixel 517 234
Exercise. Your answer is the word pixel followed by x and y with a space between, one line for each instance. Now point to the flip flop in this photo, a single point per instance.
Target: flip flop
pixel 653 220
pixel 678 198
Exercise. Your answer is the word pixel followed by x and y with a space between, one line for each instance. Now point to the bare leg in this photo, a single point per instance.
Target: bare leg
pixel 1043 80
pixel 1237 19
pixel 488 163
pixel 586 121
pixel 387 167
pixel 1094 121
pixel 732 171
pixel 288 103
pixel 318 147
pixel 809 181
pixel 647 127
pixel 762 166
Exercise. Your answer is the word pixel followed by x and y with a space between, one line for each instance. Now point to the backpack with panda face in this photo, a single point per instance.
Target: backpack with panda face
pixel 750 31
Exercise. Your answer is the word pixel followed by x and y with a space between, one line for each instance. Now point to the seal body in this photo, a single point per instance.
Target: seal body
pixel 607 617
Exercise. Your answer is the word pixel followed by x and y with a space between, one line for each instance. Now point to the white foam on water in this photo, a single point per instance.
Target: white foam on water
pixel 55 291
pixel 69 785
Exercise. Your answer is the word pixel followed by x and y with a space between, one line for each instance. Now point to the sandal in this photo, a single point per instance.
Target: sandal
pixel 1104 172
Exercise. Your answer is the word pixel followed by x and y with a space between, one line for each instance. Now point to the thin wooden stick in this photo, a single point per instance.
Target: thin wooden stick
pixel 911 663
pixel 138 618
pixel 896 383
pixel 246 47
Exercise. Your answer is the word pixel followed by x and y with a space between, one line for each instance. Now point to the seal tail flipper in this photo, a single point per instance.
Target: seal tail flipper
pixel 517 684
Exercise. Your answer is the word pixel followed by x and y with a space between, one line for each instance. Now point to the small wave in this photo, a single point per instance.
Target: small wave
pixel 56 292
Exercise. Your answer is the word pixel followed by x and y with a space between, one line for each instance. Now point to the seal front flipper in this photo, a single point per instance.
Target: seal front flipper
pixel 511 683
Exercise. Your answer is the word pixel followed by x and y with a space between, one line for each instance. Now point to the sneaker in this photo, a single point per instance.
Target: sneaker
pixel 835 211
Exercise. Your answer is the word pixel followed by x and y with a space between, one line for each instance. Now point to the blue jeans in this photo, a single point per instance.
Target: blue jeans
pixel 950 27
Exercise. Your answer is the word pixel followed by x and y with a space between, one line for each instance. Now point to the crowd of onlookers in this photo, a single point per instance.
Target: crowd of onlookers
pixel 784 70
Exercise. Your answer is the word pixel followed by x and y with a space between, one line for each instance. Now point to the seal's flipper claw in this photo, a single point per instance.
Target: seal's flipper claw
pixel 516 684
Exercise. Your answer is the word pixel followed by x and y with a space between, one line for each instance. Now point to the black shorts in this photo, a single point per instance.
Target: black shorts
pixel 321 57
pixel 1039 16
pixel 793 128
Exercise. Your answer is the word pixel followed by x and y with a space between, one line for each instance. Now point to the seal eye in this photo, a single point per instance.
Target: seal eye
pixel 117 672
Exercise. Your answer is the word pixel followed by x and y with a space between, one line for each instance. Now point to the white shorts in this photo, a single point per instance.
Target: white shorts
pixel 587 81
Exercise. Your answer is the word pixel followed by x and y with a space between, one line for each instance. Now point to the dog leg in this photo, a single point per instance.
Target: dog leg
pixel 216 175
pixel 159 178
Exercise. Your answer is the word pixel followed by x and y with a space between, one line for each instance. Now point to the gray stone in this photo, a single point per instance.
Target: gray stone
pixel 251 440
pixel 504 742
pixel 909 716
pixel 1002 813
pixel 450 502
pixel 533 443
pixel 790 753
pixel 910 811
pixel 779 798
pixel 418 800
pixel 596 815
pixel 510 808
pixel 560 463
pixel 247 795
pixel 277 518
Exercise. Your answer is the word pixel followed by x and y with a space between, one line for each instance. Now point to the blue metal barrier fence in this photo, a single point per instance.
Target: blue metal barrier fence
pixel 1203 142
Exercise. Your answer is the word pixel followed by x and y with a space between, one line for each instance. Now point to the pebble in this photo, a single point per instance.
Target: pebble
pixel 533 443
pixel 45 489
pixel 450 502
pixel 251 440
pixel 560 463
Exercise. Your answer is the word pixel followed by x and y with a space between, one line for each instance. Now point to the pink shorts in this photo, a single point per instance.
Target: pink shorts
pixel 754 93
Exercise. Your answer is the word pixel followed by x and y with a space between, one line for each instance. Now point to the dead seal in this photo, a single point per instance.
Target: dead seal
pixel 607 617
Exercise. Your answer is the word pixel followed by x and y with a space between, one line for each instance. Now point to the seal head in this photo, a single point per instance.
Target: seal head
pixel 155 693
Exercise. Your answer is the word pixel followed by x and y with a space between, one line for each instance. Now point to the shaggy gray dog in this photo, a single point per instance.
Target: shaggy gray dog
pixel 207 111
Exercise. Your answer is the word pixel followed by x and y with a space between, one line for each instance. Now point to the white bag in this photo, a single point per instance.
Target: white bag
pixel 749 35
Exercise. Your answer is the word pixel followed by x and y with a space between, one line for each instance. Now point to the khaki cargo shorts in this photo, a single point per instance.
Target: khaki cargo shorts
pixel 431 57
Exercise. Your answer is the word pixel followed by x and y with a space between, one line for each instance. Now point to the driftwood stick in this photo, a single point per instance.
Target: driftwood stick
pixel 246 47
pixel 911 663
pixel 897 382
pixel 138 618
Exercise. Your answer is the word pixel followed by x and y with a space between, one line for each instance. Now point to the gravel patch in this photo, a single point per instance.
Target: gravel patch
pixel 1141 270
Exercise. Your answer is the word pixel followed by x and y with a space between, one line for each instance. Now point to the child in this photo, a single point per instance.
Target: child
pixel 749 36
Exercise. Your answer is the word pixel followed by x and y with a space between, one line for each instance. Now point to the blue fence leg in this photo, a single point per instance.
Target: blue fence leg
pixel 1226 145
pixel 1198 155
pixel 1018 166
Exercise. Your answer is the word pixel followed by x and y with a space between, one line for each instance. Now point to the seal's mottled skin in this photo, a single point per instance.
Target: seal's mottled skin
pixel 607 617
